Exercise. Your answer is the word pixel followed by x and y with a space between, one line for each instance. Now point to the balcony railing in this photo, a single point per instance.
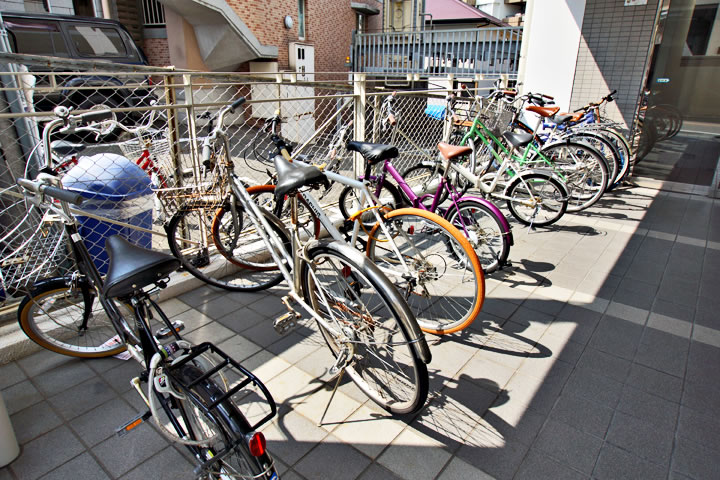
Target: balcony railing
pixel 480 51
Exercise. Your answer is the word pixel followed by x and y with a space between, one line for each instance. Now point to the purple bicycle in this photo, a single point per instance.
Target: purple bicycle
pixel 427 188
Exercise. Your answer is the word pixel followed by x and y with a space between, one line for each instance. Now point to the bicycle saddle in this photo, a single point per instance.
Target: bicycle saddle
pixel 292 176
pixel 132 267
pixel 451 151
pixel 373 152
pixel 561 118
pixel 518 139
pixel 64 148
pixel 543 111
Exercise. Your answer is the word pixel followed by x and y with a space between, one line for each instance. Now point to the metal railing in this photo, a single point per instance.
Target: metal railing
pixel 153 13
pixel 483 51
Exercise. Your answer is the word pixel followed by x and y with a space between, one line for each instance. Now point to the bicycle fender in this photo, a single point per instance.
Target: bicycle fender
pixel 495 210
pixel 539 171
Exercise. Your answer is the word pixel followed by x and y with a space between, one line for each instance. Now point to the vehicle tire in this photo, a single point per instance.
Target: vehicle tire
pixel 224 426
pixel 376 331
pixel 389 198
pixel 536 199
pixel 222 252
pixel 485 231
pixel 53 312
pixel 606 148
pixel 445 285
pixel 582 169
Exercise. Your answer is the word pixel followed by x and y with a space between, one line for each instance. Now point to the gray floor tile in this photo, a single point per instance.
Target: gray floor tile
pixel 617 464
pixel 347 462
pixel 34 421
pixel 500 461
pixel 82 467
pixel 119 377
pixel 10 374
pixel 605 364
pixel 457 469
pixel 641 438
pixel 582 414
pixel 695 460
pixel 82 398
pixel 569 446
pixel 20 396
pixel 43 361
pixel 46 453
pixel 703 396
pixel 238 347
pixel 663 352
pixel 594 386
pixel 101 422
pixel 292 436
pixel 412 456
pixel 240 321
pixel 121 454
pixel 166 465
pixel 219 307
pixel 655 382
pixel 645 406
pixel 202 295
pixel 702 427
pixel 617 337
pixel 539 465
pixel 62 377
pixel 212 332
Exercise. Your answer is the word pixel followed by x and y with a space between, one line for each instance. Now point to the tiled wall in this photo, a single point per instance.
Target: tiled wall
pixel 612 54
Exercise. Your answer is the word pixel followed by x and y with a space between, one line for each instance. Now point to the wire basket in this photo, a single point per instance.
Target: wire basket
pixel 496 116
pixel 152 154
pixel 31 248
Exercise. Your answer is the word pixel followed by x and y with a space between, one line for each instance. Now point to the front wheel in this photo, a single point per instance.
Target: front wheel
pixel 433 266
pixel 349 202
pixel 374 336
pixel 484 230
pixel 65 317
pixel 536 199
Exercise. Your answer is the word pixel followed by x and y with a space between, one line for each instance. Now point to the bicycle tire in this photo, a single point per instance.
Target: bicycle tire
pixel 487 234
pixel 240 267
pixel 424 180
pixel 554 193
pixel 231 426
pixel 389 198
pixel 605 147
pixel 339 272
pixel 264 196
pixel 50 313
pixel 446 290
pixel 583 169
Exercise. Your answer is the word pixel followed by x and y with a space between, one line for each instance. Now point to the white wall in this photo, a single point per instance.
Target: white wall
pixel 552 37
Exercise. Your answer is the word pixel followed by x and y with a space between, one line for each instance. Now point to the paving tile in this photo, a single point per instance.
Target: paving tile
pixel 312 400
pixel 165 465
pixel 375 472
pixel 34 421
pixel 120 376
pixel 512 421
pixel 192 319
pixel 82 467
pixel 173 306
pixel 238 347
pixel 459 470
pixel 605 364
pixel 121 454
pixel 219 307
pixel 695 460
pixel 347 462
pixel 645 406
pixel 631 313
pixel 20 395
pixel 240 321
pixel 569 445
pixel 35 460
pixel 81 398
pixel 539 465
pixel 702 396
pixel 201 295
pixel 663 352
pixel 700 426
pixel 617 337
pixel 368 431
pixel 412 455
pixel 10 374
pixel 212 332
pixel 101 422
pixel 657 383
pixel 499 461
pixel 641 438
pixel 293 347
pixel 262 334
pixel 486 373
pixel 291 436
pixel 617 464
pixel 265 365
pixel 582 414
pixel 43 361
pixel 539 393
pixel 594 386
pixel 287 384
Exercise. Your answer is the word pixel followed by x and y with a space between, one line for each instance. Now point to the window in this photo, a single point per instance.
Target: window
pixel 360 23
pixel 96 41
pixel 37 39
pixel 153 13
pixel 301 19
pixel 701 29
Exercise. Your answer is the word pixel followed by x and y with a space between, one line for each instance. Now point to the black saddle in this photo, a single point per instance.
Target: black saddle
pixel 518 139
pixel 560 119
pixel 292 176
pixel 373 152
pixel 132 267
pixel 64 148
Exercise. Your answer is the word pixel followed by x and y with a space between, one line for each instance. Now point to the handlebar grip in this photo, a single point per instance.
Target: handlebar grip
pixel 236 104
pixel 96 116
pixel 548 97
pixel 54 192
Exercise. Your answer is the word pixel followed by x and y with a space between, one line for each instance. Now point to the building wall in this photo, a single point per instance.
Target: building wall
pixel 157 51
pixel 64 7
pixel 612 54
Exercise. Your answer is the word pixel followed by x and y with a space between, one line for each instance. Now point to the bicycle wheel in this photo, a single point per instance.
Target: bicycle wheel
pixel 485 232
pixel 424 180
pixel 583 171
pixel 605 147
pixel 223 427
pixel 53 313
pixel 445 285
pixel 223 249
pixel 376 338
pixel 536 199
pixel 623 148
pixel 348 201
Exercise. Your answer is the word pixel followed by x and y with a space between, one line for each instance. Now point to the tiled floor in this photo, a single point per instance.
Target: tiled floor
pixel 594 357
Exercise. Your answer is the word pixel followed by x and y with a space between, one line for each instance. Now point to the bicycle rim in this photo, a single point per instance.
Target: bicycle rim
pixel 484 231
pixel 539 200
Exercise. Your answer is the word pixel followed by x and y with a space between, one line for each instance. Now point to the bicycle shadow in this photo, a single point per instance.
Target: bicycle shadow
pixel 527 273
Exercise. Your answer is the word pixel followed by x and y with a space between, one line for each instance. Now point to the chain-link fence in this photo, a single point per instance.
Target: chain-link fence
pixel 135 178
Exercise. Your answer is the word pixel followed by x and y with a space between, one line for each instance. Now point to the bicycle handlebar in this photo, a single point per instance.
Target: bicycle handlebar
pixel 54 192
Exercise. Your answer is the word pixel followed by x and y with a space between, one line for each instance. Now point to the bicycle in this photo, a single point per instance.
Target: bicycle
pixel 477 218
pixel 192 391
pixel 366 323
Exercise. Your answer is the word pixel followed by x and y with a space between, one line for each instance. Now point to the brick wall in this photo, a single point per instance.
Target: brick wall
pixel 612 54
pixel 157 52
pixel 329 25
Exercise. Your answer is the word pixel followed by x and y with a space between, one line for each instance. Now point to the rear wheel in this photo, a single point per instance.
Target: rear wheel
pixel 349 202
pixel 536 199
pixel 424 180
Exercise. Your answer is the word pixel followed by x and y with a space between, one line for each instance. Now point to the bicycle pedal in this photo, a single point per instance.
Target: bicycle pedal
pixel 165 332
pixel 286 322
pixel 137 420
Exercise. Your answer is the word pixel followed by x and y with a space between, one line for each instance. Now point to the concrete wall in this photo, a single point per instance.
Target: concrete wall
pixel 551 39
pixel 612 55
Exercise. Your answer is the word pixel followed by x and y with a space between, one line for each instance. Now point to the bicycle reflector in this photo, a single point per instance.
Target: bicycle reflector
pixel 257 444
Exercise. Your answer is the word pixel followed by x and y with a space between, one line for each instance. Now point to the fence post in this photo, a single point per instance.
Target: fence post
pixel 173 127
pixel 360 98
pixel 190 108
